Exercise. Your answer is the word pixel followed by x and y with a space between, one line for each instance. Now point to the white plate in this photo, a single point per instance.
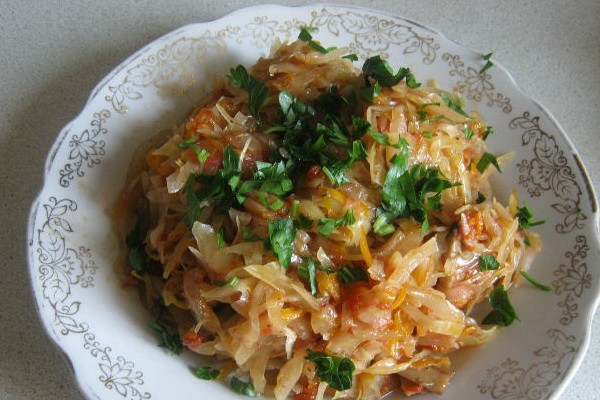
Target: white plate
pixel 103 330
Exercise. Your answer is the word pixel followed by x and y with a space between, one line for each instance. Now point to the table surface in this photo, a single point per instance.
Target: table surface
pixel 52 53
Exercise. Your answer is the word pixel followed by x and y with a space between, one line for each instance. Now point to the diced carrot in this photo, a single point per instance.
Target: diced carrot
pixel 409 387
pixel 206 118
pixel 192 340
pixel 364 249
pixel 328 283
pixel 309 391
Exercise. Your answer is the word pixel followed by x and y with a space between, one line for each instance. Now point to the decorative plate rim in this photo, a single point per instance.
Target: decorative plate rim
pixel 588 192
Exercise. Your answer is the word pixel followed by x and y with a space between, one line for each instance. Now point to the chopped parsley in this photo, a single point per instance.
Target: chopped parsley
pixel 190 143
pixel 258 93
pixel 452 105
pixel 380 70
pixel 409 193
pixel 220 239
pixel 327 225
pixel 423 114
pixel 383 139
pixel 248 236
pixel 535 283
pixel 503 313
pixel 485 160
pixel 207 373
pixel 480 198
pixel 137 256
pixel 270 178
pixel 303 222
pixel 349 274
pixel 294 208
pixel 220 189
pixel 231 282
pixel 167 339
pixel 241 387
pixel 306 36
pixel 488 262
pixel 369 92
pixel 488 131
pixel 334 370
pixel 282 233
pixel 468 132
pixel 525 217
pixel 488 62
pixel 308 271
pixel 336 171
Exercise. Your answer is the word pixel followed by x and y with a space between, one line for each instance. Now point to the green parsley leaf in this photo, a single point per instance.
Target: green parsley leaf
pixel 349 274
pixel 535 283
pixel 383 139
pixel 409 193
pixel 380 70
pixel 411 81
pixel 336 171
pixel 468 132
pixel 219 189
pixel 360 126
pixel 296 130
pixel 488 262
pixel 282 233
pixel 329 224
pixel 276 205
pixel 488 131
pixel 294 208
pixel 480 198
pixel 423 114
pixel 269 178
pixel 305 36
pixel 351 57
pixel 503 313
pixel 306 33
pixel 191 144
pixel 525 217
pixel 168 340
pixel 207 373
pixel 334 370
pixel 231 282
pixel 258 93
pixel 485 160
pixel 241 387
pixel 194 204
pixel 137 256
pixel 452 105
pixel 488 63
pixel 382 227
pixel 427 134
pixel 220 239
pixel 137 259
pixel 368 93
pixel 333 132
pixel 248 236
pixel 308 271
pixel 303 222
pixel 331 102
